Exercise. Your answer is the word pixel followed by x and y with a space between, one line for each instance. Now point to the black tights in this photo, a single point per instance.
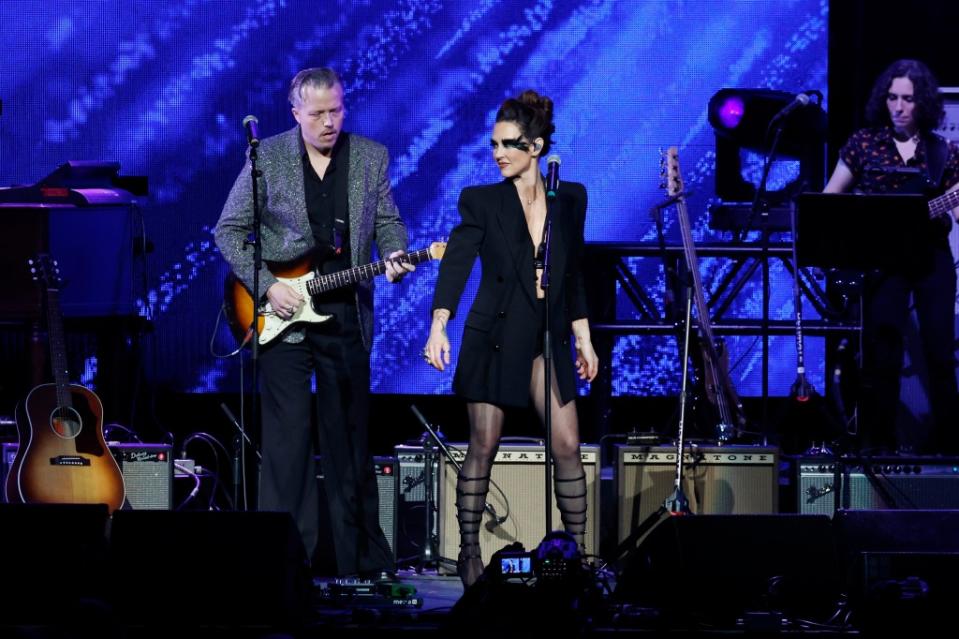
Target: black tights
pixel 472 484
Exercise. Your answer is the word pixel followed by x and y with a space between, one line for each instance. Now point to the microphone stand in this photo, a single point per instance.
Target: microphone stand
pixel 676 504
pixel 240 439
pixel 761 207
pixel 544 283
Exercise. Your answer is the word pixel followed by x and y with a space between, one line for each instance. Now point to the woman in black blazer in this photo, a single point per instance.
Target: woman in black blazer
pixel 501 357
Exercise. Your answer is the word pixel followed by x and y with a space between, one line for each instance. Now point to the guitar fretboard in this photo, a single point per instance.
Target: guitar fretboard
pixel 58 349
pixel 943 204
pixel 323 283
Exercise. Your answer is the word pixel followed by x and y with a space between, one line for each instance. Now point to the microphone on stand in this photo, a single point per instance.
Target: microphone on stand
pixel 252 132
pixel 552 176
pixel 801 100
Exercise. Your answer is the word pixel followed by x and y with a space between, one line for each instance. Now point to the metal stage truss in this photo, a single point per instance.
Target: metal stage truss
pixel 745 260
pixel 613 280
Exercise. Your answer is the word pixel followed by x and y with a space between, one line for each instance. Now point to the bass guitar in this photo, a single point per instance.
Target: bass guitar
pixel 943 205
pixel 718 385
pixel 62 457
pixel 302 278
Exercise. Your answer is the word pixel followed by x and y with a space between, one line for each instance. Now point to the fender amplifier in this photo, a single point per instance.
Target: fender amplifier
pixel 894 483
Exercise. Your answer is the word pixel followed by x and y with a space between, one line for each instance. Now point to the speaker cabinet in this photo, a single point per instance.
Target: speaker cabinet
pixel 147 475
pixel 54 559
pixel 721 480
pixel 900 568
pixel 385 470
pixel 517 491
pixel 208 568
pixel 713 568
pixel 894 483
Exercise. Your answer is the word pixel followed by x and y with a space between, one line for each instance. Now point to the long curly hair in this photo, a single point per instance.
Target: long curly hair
pixel 928 111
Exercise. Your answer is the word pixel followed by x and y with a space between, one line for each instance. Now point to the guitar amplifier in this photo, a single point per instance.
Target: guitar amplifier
pixel 147 471
pixel 385 470
pixel 517 491
pixel 884 483
pixel 147 475
pixel 411 505
pixel 717 480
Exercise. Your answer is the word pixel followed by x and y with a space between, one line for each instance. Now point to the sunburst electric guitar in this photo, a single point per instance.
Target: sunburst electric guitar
pixel 302 278
pixel 62 457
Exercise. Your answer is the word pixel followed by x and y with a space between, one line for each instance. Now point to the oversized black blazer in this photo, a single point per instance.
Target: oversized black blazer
pixel 495 362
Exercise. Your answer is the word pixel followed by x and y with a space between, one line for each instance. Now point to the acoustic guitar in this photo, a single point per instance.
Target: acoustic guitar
pixel 62 457
pixel 302 278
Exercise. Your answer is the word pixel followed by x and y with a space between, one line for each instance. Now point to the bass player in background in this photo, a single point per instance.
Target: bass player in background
pixel 327 193
pixel 904 109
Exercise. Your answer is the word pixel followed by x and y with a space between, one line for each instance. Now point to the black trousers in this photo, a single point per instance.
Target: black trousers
pixel 334 351
pixel 884 325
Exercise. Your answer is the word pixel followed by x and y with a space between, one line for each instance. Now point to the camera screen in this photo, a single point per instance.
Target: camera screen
pixel 515 566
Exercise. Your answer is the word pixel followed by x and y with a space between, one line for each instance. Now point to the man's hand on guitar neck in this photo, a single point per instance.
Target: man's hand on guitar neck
pixel 397 269
pixel 284 301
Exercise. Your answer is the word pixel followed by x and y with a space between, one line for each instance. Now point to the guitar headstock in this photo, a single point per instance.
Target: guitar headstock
pixel 45 270
pixel 674 180
pixel 437 250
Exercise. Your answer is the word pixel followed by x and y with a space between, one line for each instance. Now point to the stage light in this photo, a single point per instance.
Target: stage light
pixel 730 111
pixel 746 123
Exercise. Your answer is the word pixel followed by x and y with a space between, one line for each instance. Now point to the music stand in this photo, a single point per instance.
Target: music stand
pixel 862 232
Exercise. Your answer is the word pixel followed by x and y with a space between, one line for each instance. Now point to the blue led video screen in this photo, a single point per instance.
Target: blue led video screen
pixel 162 87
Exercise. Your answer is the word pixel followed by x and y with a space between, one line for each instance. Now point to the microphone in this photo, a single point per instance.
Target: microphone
pixel 252 133
pixel 801 100
pixel 552 176
pixel 495 520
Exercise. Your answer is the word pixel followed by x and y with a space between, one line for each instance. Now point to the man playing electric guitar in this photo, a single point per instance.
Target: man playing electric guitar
pixel 320 187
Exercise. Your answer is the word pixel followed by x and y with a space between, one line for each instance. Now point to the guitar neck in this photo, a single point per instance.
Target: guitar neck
pixel 943 204
pixel 692 263
pixel 323 283
pixel 726 394
pixel 58 349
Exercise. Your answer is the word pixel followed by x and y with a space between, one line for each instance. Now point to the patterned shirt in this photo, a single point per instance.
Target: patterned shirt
pixel 874 160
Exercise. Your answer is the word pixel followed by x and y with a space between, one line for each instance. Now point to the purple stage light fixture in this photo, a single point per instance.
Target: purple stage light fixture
pixel 746 121
pixel 731 111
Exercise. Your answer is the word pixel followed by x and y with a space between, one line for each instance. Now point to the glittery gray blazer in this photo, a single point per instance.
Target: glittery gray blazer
pixel 286 233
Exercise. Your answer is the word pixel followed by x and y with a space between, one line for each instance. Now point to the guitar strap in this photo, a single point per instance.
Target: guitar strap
pixel 937 151
pixel 341 233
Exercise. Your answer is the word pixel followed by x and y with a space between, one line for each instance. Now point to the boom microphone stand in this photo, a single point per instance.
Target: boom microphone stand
pixel 676 503
pixel 430 552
